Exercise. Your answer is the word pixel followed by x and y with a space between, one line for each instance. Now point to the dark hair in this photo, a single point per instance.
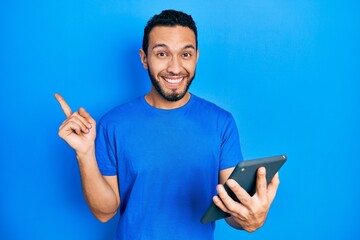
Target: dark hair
pixel 168 18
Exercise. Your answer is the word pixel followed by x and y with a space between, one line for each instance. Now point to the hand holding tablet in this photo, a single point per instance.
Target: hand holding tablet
pixel 245 174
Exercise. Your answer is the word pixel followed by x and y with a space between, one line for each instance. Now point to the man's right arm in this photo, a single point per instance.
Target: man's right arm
pixel 101 192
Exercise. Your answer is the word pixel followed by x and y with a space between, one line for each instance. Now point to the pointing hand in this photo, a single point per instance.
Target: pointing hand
pixel 78 129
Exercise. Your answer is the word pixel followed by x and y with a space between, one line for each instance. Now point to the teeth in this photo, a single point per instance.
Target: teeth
pixel 173 80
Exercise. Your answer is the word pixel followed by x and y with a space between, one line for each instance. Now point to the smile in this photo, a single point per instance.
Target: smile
pixel 173 80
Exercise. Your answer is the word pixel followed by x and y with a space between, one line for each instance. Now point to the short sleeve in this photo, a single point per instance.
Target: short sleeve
pixel 105 154
pixel 230 150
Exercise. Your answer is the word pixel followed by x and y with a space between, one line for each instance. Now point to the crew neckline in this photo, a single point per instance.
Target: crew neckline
pixel 178 109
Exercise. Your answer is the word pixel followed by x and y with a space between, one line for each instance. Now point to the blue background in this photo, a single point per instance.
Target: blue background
pixel 288 71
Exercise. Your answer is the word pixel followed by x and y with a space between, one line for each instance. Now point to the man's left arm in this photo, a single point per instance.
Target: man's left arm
pixel 250 214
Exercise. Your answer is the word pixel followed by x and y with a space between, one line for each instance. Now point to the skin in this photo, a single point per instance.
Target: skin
pixel 171 60
pixel 251 213
pixel 100 192
pixel 171 56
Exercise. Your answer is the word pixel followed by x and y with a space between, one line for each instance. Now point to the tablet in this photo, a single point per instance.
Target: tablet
pixel 245 174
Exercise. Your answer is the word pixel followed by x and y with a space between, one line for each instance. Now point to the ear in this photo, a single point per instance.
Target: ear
pixel 197 56
pixel 143 58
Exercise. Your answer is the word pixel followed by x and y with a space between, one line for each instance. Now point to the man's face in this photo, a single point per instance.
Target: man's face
pixel 171 60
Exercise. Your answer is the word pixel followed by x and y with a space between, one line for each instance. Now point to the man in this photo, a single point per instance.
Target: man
pixel 159 159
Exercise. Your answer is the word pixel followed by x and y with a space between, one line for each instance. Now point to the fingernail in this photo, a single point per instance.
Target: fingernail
pixel 230 183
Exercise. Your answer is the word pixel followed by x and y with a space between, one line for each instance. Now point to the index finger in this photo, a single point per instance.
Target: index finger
pixel 241 194
pixel 64 106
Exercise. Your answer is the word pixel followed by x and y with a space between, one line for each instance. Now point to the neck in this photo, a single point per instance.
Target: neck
pixel 153 98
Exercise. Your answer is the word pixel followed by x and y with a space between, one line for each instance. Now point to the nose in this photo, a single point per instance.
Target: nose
pixel 174 66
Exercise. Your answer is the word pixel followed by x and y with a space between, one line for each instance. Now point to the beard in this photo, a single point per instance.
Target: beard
pixel 174 95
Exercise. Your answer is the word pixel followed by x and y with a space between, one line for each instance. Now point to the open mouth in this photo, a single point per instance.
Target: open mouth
pixel 176 80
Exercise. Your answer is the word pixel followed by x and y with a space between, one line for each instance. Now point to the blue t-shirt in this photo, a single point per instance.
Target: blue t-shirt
pixel 168 164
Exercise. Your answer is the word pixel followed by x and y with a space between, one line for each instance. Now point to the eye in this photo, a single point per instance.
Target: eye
pixel 187 55
pixel 161 54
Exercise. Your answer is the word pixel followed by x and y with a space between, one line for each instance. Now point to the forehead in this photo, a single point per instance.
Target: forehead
pixel 173 37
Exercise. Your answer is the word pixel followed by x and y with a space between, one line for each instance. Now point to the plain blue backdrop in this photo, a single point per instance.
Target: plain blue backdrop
pixel 289 71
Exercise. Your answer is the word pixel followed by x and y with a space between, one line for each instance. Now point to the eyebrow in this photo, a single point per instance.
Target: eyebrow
pixel 165 46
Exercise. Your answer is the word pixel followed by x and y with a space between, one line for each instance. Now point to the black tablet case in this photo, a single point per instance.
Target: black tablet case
pixel 245 174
